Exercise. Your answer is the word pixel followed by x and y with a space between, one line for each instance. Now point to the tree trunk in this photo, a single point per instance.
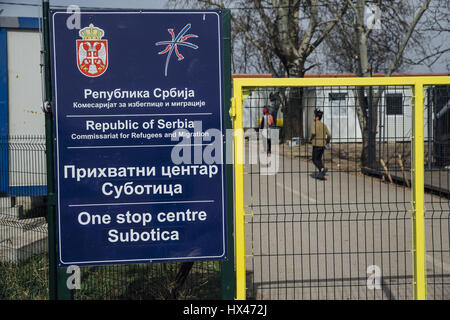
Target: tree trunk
pixel 366 116
pixel 367 113
pixel 293 114
pixel 368 128
pixel 361 107
pixel 180 279
pixel 275 104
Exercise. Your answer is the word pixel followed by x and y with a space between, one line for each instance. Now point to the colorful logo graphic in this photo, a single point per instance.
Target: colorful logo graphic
pixel 172 45
pixel 92 52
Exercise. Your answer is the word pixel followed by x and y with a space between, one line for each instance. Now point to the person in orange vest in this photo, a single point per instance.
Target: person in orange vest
pixel 266 123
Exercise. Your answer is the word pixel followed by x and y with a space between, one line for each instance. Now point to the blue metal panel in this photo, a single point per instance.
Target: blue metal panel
pixel 28 23
pixel 30 191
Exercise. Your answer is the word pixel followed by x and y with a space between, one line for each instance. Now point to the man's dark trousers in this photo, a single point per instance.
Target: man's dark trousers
pixel 317 154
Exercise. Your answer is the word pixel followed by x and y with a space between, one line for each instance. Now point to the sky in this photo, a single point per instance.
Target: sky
pixel 32 8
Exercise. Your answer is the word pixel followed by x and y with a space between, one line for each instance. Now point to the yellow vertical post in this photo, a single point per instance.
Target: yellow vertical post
pixel 418 195
pixel 239 192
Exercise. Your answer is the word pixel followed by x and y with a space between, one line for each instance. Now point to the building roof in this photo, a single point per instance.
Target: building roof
pixel 342 75
pixel 19 22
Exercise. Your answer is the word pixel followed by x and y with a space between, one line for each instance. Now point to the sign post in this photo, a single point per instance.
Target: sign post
pixel 139 123
pixel 227 266
pixel 57 275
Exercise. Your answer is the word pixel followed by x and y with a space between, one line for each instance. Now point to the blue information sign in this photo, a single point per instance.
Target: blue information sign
pixel 139 136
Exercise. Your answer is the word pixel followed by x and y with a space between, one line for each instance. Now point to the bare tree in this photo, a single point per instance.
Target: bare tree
pixel 362 49
pixel 281 35
pixel 436 25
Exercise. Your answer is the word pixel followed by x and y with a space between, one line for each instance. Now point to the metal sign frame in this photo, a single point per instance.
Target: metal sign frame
pixel 65 172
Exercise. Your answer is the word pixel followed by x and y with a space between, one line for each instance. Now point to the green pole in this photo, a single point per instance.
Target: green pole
pixel 227 266
pixel 57 276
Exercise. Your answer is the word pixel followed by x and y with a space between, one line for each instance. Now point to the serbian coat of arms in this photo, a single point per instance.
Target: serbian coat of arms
pixel 92 52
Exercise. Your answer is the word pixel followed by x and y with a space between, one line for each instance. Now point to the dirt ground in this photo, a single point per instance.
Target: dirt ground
pixel 346 156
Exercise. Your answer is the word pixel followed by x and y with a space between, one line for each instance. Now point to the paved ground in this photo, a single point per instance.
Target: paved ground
pixel 312 239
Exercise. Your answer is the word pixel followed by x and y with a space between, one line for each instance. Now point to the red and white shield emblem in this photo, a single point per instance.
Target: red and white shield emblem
pixel 92 52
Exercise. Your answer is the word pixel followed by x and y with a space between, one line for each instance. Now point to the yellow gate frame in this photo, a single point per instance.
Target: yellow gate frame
pixel 417 156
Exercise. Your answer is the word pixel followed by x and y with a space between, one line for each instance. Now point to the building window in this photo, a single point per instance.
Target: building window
pixel 337 104
pixel 337 96
pixel 394 104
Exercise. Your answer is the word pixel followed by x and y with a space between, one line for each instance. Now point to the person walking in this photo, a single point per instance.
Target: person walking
pixel 320 137
pixel 266 123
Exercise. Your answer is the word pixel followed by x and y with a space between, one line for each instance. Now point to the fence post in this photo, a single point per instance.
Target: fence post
pixel 418 190
pixel 239 192
pixel 4 112
pixel 227 266
pixel 57 276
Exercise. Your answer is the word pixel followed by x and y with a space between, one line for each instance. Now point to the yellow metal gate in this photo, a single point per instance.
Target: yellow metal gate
pixel 376 227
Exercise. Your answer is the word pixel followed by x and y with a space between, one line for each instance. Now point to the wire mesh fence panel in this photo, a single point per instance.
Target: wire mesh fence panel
pixel 345 232
pixel 23 225
pixel 437 183
pixel 152 281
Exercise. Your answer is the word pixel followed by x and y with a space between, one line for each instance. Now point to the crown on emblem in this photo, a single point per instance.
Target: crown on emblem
pixel 91 33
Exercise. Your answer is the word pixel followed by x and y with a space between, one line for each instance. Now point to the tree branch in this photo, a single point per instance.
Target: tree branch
pixel 402 47
pixel 435 55
pixel 327 31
